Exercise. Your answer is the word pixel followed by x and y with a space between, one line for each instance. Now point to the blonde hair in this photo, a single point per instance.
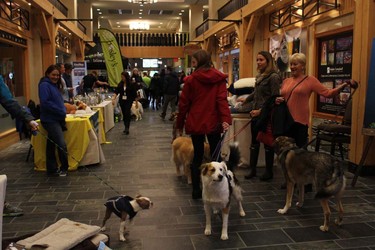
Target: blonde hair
pixel 299 58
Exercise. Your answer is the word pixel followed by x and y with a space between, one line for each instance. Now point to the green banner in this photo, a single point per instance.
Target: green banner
pixel 112 56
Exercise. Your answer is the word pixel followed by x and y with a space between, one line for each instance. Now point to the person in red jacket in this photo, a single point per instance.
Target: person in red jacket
pixel 203 111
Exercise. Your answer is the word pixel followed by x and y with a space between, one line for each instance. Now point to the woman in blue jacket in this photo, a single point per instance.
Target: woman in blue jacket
pixel 52 116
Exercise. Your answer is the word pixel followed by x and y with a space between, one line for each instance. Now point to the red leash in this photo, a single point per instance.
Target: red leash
pixel 238 132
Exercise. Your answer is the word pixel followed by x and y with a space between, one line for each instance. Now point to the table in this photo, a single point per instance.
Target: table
pixel 81 139
pixel 3 186
pixel 239 132
pixel 108 115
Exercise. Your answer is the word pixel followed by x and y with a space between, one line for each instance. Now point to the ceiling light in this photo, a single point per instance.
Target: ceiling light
pixel 143 1
pixel 139 26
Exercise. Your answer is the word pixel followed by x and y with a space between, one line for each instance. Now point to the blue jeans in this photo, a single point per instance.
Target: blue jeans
pixel 56 134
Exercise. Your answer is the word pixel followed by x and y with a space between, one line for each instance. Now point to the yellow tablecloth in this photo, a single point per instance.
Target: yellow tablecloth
pixel 82 143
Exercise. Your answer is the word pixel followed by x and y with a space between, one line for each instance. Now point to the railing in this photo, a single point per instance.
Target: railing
pixel 13 13
pixel 81 27
pixel 151 39
pixel 300 10
pixel 202 28
pixel 222 13
pixel 231 7
pixel 60 6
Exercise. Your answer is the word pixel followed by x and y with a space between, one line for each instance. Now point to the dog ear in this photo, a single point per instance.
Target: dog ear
pixel 224 165
pixel 204 168
pixel 138 196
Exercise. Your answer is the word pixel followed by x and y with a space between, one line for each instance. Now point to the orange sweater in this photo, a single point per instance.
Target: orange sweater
pixel 298 102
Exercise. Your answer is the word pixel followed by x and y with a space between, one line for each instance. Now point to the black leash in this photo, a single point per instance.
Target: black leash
pixel 71 156
pixel 216 154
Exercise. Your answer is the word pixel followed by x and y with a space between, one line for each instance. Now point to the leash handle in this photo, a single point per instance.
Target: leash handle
pixel 216 154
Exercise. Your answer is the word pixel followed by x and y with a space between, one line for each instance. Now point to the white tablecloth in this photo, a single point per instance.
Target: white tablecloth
pixel 3 186
pixel 108 114
pixel 243 138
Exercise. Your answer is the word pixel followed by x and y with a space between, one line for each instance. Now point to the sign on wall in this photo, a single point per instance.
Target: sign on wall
pixel 334 68
pixel 78 72
pixel 369 121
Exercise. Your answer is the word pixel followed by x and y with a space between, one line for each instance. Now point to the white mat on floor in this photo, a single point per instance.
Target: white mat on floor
pixel 64 234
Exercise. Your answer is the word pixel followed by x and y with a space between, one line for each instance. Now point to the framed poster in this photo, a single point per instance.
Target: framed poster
pixel 334 68
pixel 369 119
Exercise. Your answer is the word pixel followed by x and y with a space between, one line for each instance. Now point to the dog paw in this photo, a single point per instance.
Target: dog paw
pixel 323 228
pixel 242 213
pixel 299 204
pixel 338 221
pixel 224 237
pixel 216 211
pixel 282 211
pixel 103 229
pixel 207 232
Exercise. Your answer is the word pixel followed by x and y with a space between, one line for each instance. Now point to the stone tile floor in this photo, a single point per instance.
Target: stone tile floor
pixel 140 164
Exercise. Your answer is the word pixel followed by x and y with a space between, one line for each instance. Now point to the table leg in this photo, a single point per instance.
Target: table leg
pixel 362 161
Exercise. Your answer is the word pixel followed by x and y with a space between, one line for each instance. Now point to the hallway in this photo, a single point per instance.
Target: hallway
pixel 140 164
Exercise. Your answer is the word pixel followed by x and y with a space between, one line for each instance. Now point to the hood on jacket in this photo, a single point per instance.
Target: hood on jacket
pixel 209 76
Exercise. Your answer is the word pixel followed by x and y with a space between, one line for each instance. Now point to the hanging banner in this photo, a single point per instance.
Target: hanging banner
pixel 112 56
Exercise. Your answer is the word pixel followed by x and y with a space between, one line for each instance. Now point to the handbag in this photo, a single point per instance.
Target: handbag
pixel 276 114
pixel 266 137
pixel 281 115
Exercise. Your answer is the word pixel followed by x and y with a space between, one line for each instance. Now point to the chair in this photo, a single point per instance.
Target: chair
pixel 334 133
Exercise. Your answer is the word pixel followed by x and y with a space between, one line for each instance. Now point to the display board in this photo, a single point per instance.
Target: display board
pixel 369 120
pixel 334 68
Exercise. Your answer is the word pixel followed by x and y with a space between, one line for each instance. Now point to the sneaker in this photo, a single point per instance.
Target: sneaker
pixel 63 173
pixel 11 211
pixel 53 174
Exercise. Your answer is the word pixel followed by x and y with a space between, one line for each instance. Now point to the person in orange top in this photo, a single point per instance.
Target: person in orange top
pixel 298 103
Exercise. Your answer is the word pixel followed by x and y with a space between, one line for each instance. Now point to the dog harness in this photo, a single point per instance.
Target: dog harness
pixel 121 203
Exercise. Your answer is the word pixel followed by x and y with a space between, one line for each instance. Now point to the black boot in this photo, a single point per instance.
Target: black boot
pixel 196 182
pixel 268 174
pixel 254 153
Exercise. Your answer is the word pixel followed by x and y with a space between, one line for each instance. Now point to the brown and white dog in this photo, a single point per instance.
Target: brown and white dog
pixel 183 153
pixel 125 206
pixel 219 185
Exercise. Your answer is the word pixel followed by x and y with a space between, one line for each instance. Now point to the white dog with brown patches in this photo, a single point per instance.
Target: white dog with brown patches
pixel 219 185
pixel 124 206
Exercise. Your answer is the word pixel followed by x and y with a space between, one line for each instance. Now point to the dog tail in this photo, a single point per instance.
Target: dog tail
pixel 234 156
pixel 333 185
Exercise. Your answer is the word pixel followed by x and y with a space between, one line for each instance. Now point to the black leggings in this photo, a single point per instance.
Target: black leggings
pixel 198 144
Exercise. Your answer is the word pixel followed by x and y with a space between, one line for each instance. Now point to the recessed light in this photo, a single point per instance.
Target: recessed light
pixel 98 9
pixel 100 13
pixel 182 10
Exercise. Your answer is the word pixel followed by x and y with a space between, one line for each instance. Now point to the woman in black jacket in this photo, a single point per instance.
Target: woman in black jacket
pixel 127 92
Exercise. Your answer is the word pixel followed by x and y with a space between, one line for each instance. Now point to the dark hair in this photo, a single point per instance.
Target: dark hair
pixel 127 77
pixel 203 59
pixel 50 69
pixel 270 62
pixel 68 66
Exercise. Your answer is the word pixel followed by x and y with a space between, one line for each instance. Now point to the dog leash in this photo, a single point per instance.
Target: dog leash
pixel 238 132
pixel 71 156
pixel 216 154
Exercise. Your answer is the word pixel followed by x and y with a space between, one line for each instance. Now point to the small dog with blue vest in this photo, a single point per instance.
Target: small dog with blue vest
pixel 125 206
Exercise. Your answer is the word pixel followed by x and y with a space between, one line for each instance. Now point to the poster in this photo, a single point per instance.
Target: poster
pixel 78 72
pixel 369 121
pixel 334 68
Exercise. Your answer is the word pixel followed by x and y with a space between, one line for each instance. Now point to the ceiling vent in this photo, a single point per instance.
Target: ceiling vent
pixel 120 12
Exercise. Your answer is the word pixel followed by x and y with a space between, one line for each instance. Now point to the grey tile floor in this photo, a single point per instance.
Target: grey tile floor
pixel 140 164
